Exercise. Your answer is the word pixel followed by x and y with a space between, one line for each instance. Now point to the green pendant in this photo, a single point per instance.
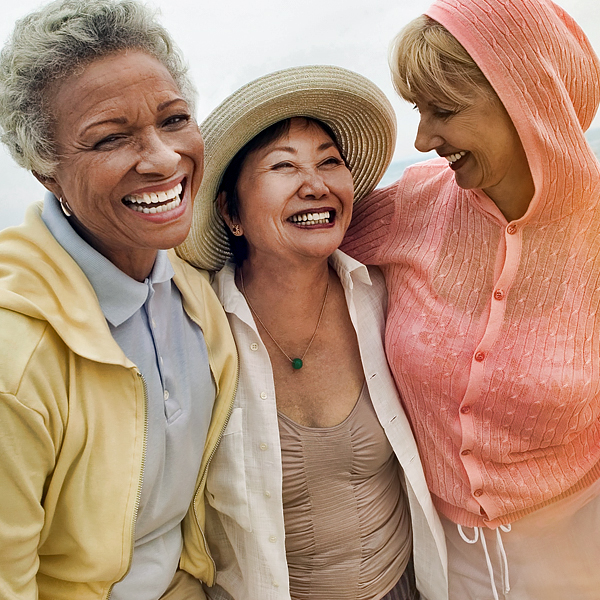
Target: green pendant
pixel 297 363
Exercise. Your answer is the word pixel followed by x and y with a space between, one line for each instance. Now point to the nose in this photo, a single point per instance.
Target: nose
pixel 313 185
pixel 157 156
pixel 427 138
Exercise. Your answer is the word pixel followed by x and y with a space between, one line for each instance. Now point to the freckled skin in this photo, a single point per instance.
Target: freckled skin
pixel 122 128
pixel 496 162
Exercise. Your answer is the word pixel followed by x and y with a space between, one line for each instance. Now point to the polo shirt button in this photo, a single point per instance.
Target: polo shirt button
pixel 466 452
pixel 465 410
pixel 498 294
pixel 478 493
pixel 263 446
pixel 511 229
pixel 479 356
pixel 263 395
pixel 254 346
pixel 267 494
pixel 166 395
pixel 272 539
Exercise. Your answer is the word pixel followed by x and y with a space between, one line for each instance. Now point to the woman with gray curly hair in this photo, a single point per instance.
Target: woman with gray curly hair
pixel 117 366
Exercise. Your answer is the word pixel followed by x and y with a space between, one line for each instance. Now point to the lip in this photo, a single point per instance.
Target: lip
pixel 170 215
pixel 161 187
pixel 457 164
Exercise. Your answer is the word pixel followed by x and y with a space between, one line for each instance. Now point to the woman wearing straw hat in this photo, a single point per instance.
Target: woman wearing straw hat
pixel 317 476
pixel 492 259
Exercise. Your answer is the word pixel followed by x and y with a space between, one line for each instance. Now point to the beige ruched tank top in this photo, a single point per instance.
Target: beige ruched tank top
pixel 347 521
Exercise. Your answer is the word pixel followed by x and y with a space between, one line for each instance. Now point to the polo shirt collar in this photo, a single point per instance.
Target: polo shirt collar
pixel 119 295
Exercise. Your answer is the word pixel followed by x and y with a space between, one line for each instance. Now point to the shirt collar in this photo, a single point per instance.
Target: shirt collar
pixel 119 295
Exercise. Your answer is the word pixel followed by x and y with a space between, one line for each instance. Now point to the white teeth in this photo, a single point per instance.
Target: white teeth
pixel 156 209
pixel 154 198
pixel 452 158
pixel 312 218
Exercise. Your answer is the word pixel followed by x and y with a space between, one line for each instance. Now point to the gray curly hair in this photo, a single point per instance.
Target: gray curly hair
pixel 52 43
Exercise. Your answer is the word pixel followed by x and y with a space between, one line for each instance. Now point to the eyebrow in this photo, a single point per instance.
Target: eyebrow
pixel 323 146
pixel 123 120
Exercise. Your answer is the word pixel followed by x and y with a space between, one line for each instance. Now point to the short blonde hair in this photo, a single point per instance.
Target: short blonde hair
pixel 426 60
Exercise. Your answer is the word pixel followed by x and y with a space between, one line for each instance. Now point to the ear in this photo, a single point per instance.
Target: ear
pixel 50 184
pixel 222 207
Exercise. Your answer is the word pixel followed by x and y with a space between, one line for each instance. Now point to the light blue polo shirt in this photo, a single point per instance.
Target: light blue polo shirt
pixel 149 323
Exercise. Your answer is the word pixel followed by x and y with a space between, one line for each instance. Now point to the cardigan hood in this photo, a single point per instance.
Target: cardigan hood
pixel 545 72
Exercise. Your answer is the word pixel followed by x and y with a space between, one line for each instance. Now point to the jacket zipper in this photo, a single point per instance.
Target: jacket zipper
pixel 138 495
pixel 235 387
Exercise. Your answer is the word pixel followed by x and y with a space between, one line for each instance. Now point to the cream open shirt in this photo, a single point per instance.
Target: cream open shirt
pixel 244 518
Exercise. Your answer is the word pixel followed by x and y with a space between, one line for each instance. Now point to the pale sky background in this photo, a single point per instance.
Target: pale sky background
pixel 230 42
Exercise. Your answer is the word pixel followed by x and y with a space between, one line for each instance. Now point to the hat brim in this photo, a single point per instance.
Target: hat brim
pixel 356 110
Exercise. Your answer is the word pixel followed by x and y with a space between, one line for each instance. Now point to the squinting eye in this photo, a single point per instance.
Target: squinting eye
pixel 177 120
pixel 107 142
pixel 281 165
pixel 332 161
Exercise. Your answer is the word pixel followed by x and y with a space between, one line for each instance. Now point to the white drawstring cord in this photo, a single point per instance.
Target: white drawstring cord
pixel 504 563
pixel 478 535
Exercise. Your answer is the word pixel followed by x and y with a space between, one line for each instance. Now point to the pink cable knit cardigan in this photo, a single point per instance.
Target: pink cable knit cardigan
pixel 493 330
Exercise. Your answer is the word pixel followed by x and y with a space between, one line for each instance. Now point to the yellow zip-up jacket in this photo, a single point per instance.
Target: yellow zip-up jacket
pixel 73 424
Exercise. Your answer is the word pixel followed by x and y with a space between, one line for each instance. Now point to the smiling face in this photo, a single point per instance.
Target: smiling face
pixel 295 196
pixel 482 147
pixel 130 158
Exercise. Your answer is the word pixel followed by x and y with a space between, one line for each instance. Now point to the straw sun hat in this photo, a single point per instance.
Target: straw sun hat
pixel 357 111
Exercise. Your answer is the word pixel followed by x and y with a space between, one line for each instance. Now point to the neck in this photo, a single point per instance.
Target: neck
pixel 137 263
pixel 286 289
pixel 514 194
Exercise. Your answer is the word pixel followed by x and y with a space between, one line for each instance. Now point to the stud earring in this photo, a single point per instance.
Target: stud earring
pixel 65 207
pixel 236 230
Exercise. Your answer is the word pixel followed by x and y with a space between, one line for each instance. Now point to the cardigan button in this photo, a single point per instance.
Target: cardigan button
pixel 479 356
pixel 511 229
pixel 254 346
pixel 465 410
pixel 478 493
pixel 498 295
pixel 467 451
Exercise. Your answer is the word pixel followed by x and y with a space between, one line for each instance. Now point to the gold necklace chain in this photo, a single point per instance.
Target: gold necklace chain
pixel 297 363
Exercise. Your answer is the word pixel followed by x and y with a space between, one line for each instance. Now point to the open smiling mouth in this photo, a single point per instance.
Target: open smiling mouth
pixel 313 218
pixel 155 202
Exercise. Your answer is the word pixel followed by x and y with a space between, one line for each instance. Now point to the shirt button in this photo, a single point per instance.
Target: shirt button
pixel 166 395
pixel 153 323
pixel 272 539
pixel 263 395
pixel 511 229
pixel 466 452
pixel 479 356
pixel 275 584
pixel 263 446
pixel 254 346
pixel 465 410
pixel 267 494
pixel 478 493
pixel 498 294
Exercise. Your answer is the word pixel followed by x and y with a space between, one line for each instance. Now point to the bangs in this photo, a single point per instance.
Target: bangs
pixel 428 62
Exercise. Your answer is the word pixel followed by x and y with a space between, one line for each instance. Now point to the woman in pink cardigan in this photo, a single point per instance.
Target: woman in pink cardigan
pixel 492 259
